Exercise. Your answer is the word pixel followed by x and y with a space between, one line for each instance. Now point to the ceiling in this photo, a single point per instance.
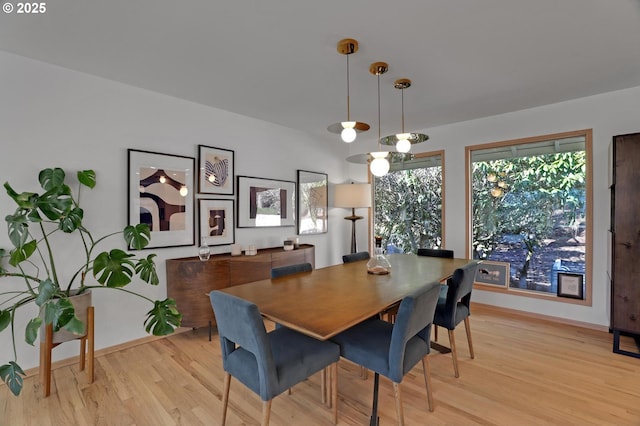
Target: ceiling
pixel 277 61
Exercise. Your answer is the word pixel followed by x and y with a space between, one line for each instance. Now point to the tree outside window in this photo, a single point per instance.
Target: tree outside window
pixel 408 205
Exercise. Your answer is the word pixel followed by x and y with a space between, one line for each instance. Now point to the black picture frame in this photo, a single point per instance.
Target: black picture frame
pixel 215 170
pixel 570 285
pixel 216 218
pixel 313 205
pixel 161 193
pixel 265 203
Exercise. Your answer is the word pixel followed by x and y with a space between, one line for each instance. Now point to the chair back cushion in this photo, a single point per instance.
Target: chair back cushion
pixel 413 321
pixel 354 257
pixel 435 252
pixel 290 269
pixel 455 307
pixel 246 350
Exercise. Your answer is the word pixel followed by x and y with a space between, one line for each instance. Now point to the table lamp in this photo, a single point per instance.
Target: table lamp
pixel 353 196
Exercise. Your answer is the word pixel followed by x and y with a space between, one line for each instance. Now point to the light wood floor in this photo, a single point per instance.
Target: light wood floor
pixel 526 372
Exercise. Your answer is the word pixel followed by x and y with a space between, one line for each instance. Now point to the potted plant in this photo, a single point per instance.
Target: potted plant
pixel 35 233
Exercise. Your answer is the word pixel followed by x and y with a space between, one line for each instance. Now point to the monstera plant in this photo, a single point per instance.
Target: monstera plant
pixel 42 230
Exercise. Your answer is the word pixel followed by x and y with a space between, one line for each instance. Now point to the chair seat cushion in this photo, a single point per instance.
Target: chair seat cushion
pixel 295 356
pixel 367 344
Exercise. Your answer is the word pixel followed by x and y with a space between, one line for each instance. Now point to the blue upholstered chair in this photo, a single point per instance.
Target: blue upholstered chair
pixel 392 350
pixel 454 307
pixel 354 257
pixel 267 363
pixel 290 269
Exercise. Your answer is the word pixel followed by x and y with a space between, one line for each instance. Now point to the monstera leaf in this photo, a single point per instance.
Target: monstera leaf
pixel 113 269
pixel 163 318
pixel 11 374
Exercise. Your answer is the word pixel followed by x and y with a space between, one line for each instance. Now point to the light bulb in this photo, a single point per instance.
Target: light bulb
pixel 403 145
pixel 184 191
pixel 348 133
pixel 212 178
pixel 380 165
pixel 163 179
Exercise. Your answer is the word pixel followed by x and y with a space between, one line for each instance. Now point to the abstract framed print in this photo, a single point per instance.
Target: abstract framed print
pixel 216 219
pixel 265 202
pixel 215 170
pixel 160 188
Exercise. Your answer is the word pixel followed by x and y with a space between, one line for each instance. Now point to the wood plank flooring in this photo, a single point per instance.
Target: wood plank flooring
pixel 526 372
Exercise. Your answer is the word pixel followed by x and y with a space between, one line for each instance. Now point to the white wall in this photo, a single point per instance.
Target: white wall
pixel 608 115
pixel 51 116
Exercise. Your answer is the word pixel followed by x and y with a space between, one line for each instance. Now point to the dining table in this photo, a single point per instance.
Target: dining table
pixel 329 300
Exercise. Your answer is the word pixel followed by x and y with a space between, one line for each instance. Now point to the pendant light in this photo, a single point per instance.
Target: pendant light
pixel 348 129
pixel 403 141
pixel 379 165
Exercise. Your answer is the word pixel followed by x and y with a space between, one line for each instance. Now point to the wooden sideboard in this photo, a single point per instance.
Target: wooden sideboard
pixel 189 280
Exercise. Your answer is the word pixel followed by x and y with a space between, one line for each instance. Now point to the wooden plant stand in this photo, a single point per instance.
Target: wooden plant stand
pixel 47 346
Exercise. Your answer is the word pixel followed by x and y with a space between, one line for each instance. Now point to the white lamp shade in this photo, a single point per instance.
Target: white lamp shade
pixel 352 195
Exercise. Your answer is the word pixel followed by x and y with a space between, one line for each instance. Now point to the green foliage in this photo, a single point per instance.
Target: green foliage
pixel 31 229
pixel 163 318
pixel 12 375
pixel 537 192
pixel 408 211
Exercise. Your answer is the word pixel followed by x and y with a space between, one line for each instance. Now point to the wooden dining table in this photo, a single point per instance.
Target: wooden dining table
pixel 329 300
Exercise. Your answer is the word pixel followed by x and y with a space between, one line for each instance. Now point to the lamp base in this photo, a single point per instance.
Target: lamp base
pixel 353 218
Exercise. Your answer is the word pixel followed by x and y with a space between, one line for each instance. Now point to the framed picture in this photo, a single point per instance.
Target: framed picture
pixel 492 273
pixel 160 190
pixel 265 202
pixel 313 206
pixel 570 285
pixel 216 219
pixel 215 170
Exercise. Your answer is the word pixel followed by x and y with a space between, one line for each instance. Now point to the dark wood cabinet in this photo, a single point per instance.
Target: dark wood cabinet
pixel 189 280
pixel 624 262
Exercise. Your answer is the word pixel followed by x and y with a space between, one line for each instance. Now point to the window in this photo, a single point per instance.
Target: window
pixel 530 211
pixel 408 204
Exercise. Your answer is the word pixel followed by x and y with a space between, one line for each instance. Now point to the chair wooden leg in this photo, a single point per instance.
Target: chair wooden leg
pixel 225 397
pixel 435 332
pixel 334 391
pixel 323 386
pixel 454 354
pixel 266 412
pixel 426 369
pixel 364 373
pixel 467 327
pixel 399 411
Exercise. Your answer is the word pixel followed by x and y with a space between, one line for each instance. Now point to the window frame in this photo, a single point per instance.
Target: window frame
pixel 588 137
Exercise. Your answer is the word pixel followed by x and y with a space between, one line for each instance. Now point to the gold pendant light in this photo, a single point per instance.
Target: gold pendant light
pixel 402 140
pixel 379 165
pixel 348 129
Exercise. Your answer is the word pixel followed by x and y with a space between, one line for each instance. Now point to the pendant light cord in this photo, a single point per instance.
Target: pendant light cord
pixel 379 145
pixel 402 93
pixel 348 99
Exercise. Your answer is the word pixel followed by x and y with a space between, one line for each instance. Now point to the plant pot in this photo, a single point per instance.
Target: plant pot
pixel 80 304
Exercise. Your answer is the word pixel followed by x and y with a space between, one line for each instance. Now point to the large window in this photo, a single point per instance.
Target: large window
pixel 408 204
pixel 531 212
